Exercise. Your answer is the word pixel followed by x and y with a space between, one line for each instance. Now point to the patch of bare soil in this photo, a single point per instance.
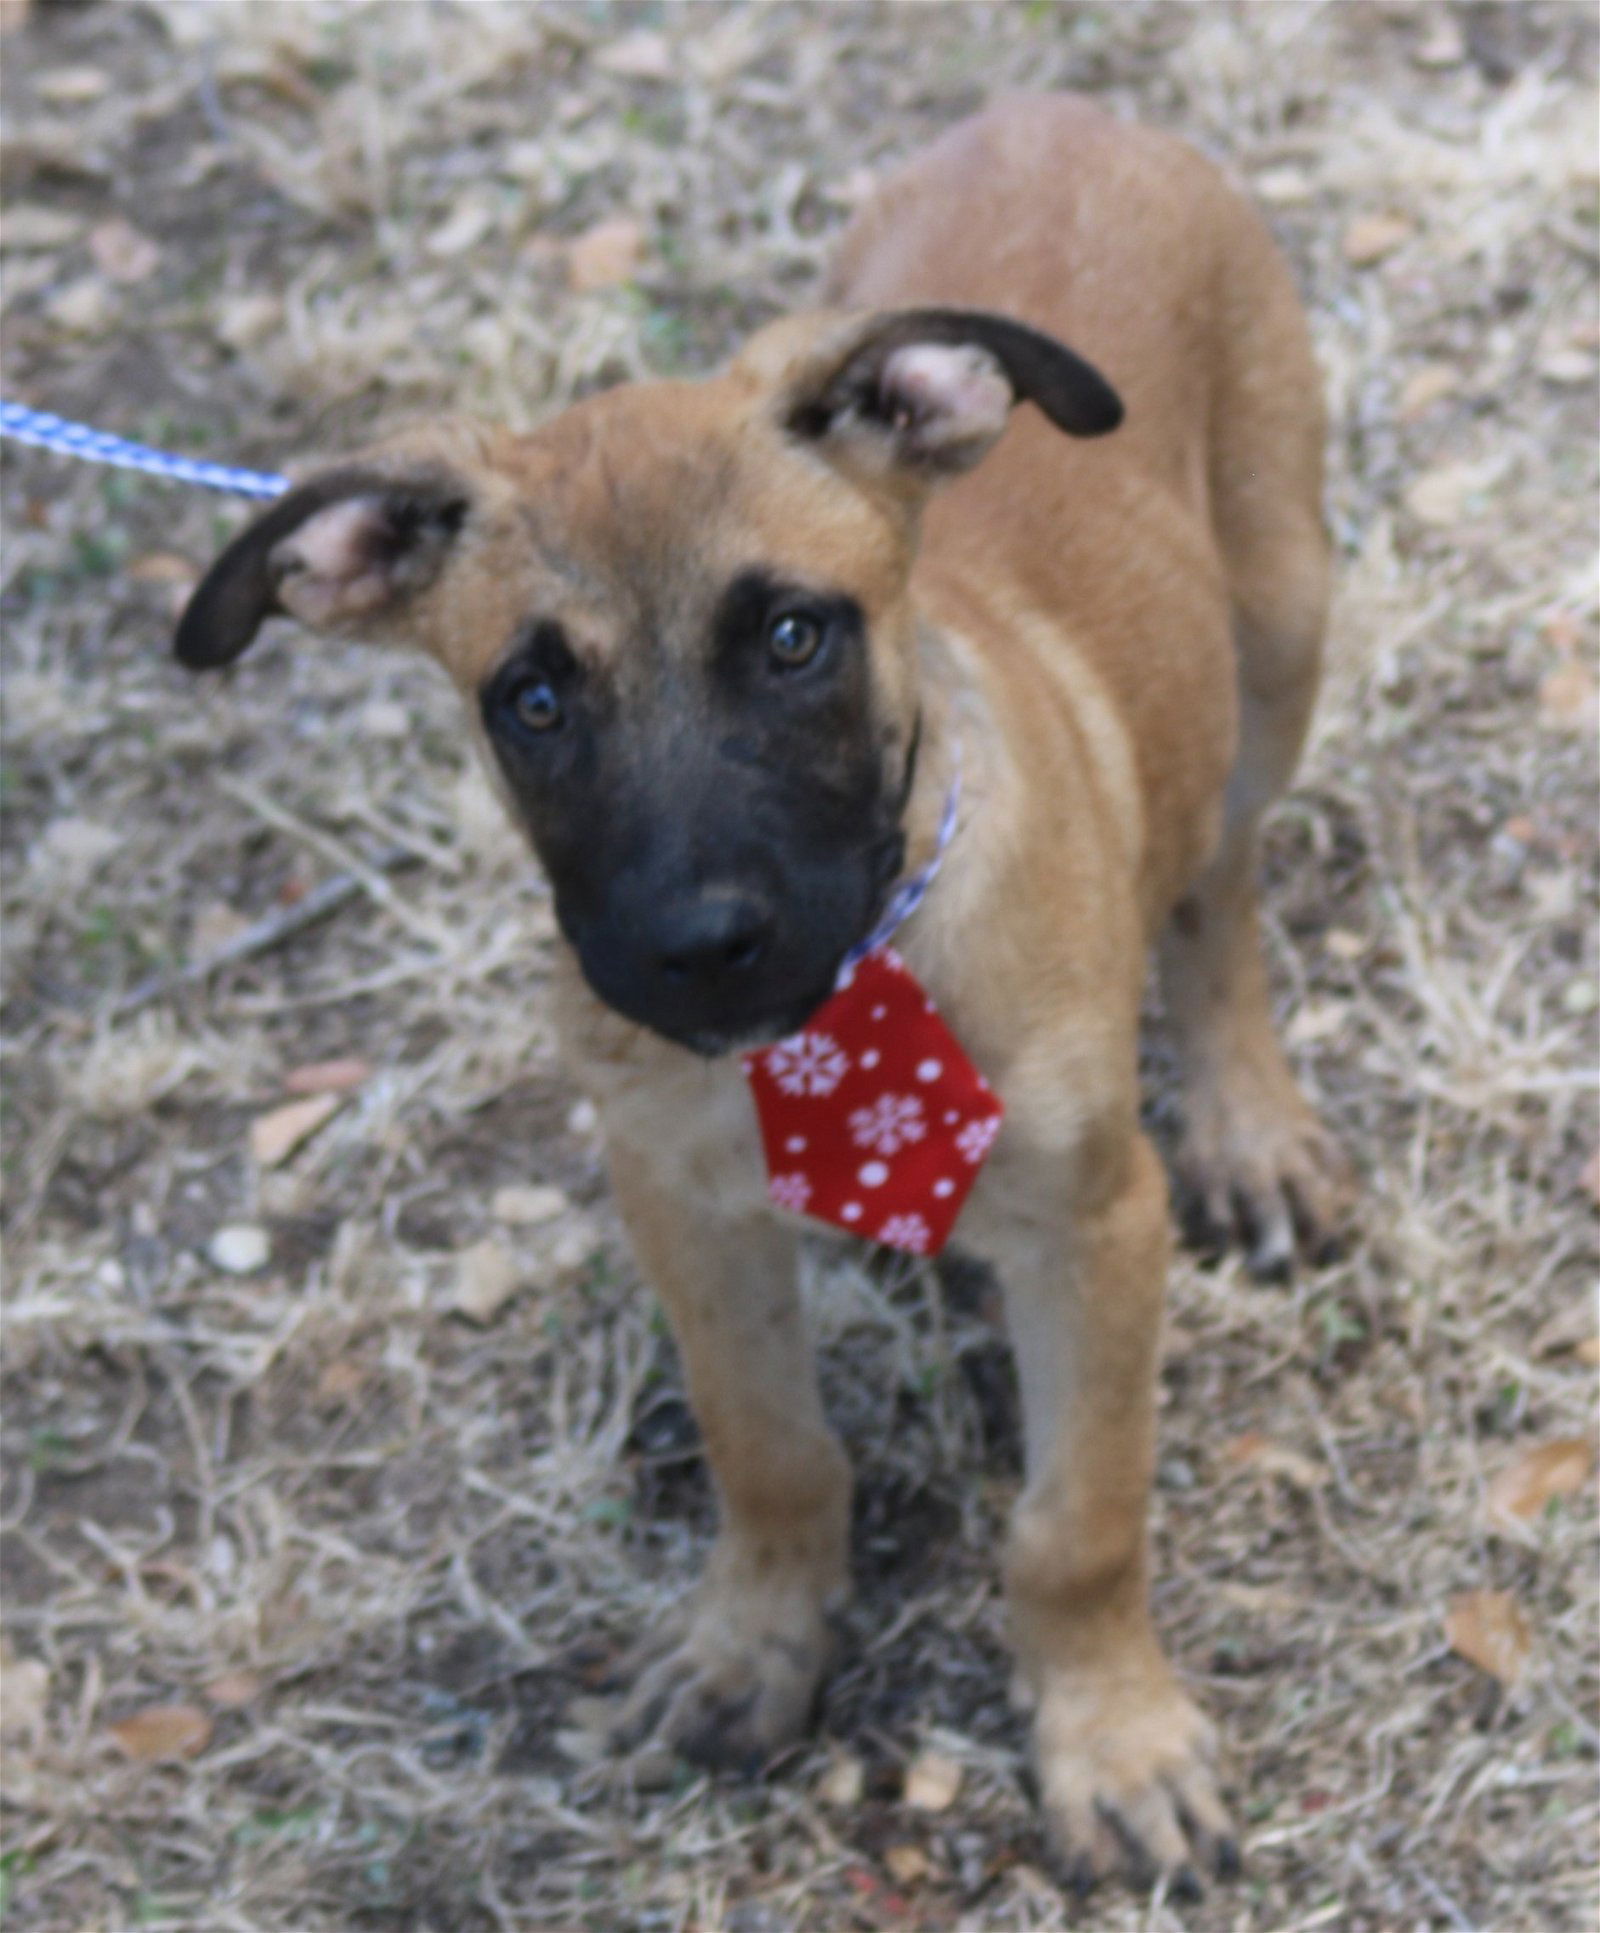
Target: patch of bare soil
pixel 345 1506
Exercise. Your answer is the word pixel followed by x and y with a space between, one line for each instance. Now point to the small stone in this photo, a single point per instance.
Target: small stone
pixel 242 321
pixel 1283 187
pixel 72 86
pixel 27 228
pixel 241 1249
pixel 843 1782
pixel 1568 368
pixel 486 1280
pixel 1579 996
pixel 526 1207
pixel 932 1782
pixel 907 1864
pixel 383 718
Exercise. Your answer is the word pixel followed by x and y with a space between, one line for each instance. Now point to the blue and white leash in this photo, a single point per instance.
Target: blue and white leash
pixel 48 432
pixel 910 893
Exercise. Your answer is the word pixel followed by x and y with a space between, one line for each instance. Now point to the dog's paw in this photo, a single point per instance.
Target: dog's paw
pixel 730 1684
pixel 1127 1784
pixel 1255 1166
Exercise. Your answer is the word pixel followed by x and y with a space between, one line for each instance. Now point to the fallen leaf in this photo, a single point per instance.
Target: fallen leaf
pixel 605 256
pixel 1588 1351
pixel 1567 697
pixel 340 1380
pixel 83 307
pixel 1315 1020
pixel 641 56
pixel 932 1782
pixel 1547 1470
pixel 1370 238
pixel 241 321
pixel 163 567
pixel 1343 944
pixel 233 1689
pixel 486 1279
pixel 843 1782
pixel 327 1076
pixel 463 228
pixel 527 1207
pixel 1490 1629
pixel 276 1135
pixel 24 1696
pixel 71 86
pixel 121 252
pixel 906 1864
pixel 1254 1451
pixel 1442 495
pixel 241 1249
pixel 163 1732
pixel 1426 386
pixel 27 228
pixel 74 847
pixel 216 925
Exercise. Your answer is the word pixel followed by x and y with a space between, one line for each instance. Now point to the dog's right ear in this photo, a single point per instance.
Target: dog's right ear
pixel 347 553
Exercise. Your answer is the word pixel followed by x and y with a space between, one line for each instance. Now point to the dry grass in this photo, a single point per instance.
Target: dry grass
pixel 418 1539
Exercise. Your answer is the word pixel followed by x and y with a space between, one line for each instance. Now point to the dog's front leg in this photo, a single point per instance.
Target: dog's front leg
pixel 736 1675
pixel 1123 1757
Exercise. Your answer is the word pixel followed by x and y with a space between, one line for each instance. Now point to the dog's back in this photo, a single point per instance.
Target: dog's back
pixel 1128 244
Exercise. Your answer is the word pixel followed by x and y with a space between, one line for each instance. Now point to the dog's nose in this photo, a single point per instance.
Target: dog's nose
pixel 715 936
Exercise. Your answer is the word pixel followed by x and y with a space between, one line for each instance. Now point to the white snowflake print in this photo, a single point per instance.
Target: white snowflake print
pixel 891 1123
pixel 808 1064
pixel 906 1231
pixel 790 1191
pixel 977 1138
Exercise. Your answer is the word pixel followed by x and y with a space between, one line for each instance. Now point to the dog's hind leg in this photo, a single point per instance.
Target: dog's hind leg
pixel 1254 1161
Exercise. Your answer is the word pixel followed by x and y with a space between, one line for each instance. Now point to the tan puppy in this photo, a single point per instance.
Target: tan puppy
pixel 719 640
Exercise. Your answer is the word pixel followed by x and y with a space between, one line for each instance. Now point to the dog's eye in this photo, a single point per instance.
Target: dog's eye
pixel 794 639
pixel 535 706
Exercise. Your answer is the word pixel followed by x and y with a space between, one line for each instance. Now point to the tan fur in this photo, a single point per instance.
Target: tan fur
pixel 1122 635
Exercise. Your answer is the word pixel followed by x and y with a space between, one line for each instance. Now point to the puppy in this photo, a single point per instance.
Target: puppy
pixel 725 645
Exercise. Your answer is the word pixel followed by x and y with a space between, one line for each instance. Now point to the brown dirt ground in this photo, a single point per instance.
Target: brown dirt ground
pixel 411 1540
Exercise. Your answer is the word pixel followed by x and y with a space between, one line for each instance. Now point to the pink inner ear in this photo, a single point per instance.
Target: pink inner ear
pixel 337 542
pixel 332 565
pixel 945 394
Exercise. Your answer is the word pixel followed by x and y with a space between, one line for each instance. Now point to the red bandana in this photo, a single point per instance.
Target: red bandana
pixel 872 1117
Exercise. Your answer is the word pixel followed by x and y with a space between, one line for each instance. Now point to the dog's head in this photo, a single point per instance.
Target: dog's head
pixel 680 614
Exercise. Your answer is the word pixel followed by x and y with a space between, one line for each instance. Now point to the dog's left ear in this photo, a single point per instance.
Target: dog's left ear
pixel 930 390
